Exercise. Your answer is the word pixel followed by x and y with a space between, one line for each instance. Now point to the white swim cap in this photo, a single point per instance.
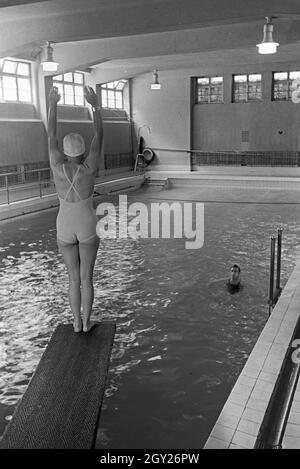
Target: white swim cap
pixel 73 145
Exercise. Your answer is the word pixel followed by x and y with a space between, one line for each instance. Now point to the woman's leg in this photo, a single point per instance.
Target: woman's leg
pixel 87 254
pixel 70 254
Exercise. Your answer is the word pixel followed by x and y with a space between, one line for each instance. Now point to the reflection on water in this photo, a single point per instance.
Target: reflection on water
pixel 181 338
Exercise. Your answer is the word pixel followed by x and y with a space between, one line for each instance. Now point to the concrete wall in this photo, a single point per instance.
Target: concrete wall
pixel 172 117
pixel 272 126
pixel 162 117
pixel 166 119
pixel 17 111
pixel 22 135
pixel 22 142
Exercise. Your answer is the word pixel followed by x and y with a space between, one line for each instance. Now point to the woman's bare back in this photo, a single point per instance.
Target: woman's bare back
pixel 84 183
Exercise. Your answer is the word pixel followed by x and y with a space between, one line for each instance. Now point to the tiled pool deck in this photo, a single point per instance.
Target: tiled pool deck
pixel 234 177
pixel 239 422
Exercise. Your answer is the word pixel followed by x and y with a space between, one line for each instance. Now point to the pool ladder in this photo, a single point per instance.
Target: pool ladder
pixel 274 295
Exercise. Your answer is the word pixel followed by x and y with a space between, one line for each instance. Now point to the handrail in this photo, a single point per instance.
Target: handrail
pixel 284 412
pixel 176 150
pixel 279 244
pixel 19 173
pixel 25 187
pixel 213 152
pixel 276 417
pixel 20 183
pixel 250 158
pixel 272 264
pixel 273 296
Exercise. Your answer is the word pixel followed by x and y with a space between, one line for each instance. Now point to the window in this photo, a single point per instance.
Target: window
pixel 15 81
pixel 112 94
pixel 209 90
pixel 283 85
pixel 245 136
pixel 247 88
pixel 70 86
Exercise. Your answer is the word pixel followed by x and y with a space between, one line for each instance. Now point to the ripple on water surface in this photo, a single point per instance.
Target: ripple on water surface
pixel 181 337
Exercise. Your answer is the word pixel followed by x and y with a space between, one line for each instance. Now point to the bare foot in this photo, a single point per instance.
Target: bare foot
pixel 87 327
pixel 77 326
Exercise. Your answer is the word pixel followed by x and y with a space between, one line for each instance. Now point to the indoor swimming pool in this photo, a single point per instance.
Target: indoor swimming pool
pixel 181 338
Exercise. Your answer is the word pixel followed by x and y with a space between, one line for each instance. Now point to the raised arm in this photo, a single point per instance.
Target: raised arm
pixel 54 154
pixel 93 159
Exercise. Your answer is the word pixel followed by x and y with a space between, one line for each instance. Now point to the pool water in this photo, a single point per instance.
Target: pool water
pixel 181 337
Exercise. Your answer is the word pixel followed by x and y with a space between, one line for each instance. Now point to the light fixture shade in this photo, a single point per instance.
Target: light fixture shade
pixel 49 65
pixel 268 46
pixel 155 85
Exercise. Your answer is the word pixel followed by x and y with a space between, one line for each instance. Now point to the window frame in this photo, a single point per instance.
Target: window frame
pixel 248 84
pixel 210 85
pixel 289 85
pixel 15 76
pixel 70 83
pixel 105 87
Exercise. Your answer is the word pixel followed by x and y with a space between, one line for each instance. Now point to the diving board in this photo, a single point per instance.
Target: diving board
pixel 61 406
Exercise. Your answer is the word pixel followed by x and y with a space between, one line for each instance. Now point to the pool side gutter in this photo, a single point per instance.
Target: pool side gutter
pixel 241 418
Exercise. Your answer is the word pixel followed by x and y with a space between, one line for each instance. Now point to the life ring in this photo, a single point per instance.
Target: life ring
pixel 148 155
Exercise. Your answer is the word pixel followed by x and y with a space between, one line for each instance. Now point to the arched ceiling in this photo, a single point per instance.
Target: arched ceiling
pixel 129 37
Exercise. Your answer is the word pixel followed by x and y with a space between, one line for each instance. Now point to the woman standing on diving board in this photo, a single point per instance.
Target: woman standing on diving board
pixel 74 178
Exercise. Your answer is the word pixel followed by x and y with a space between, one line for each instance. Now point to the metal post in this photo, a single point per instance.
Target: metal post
pixel 40 184
pixel 272 265
pixel 279 242
pixel 285 407
pixel 277 414
pixel 7 189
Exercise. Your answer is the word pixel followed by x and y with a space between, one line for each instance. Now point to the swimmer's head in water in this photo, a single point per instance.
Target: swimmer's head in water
pixel 235 274
pixel 73 145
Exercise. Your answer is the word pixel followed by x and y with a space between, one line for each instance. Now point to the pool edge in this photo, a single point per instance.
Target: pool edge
pixel 240 420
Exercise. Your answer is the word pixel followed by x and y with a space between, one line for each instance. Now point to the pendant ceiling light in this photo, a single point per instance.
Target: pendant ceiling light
pixel 268 46
pixel 49 65
pixel 155 85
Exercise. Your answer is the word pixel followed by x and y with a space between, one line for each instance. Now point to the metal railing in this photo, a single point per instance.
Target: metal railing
pixel 246 158
pixel 275 294
pixel 272 431
pixel 26 184
pixel 289 388
pixel 237 158
pixel 118 160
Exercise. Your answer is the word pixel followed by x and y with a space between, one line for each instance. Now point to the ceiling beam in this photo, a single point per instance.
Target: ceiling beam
pixel 57 21
pixel 11 3
pixel 234 37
